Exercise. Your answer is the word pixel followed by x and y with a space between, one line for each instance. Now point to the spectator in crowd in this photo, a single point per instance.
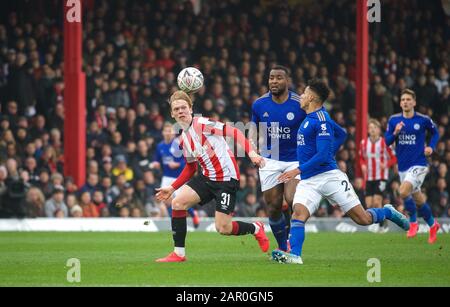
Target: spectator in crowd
pixel 76 211
pixel 248 207
pixel 35 201
pixel 91 185
pixel 89 209
pixel 122 168
pixel 56 203
pixel 97 200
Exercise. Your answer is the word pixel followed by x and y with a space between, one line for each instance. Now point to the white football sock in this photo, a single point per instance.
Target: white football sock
pixel 180 251
pixel 256 228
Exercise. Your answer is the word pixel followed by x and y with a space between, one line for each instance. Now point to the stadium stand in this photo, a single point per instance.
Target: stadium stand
pixel 133 51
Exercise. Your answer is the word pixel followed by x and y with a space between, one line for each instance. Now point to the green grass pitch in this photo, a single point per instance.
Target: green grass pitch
pixel 127 259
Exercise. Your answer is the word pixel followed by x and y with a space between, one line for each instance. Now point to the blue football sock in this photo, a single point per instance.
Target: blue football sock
pixel 410 207
pixel 379 214
pixel 279 232
pixel 191 212
pixel 425 212
pixel 297 237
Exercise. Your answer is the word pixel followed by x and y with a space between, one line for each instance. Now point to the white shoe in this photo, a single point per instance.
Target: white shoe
pixel 383 229
pixel 283 257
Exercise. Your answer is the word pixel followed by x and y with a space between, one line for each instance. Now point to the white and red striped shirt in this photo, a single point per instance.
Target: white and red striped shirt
pixel 373 155
pixel 204 142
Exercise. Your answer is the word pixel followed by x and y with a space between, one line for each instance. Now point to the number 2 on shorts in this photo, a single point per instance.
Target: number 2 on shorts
pixel 346 185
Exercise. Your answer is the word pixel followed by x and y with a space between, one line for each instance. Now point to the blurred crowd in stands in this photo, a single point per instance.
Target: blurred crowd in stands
pixel 133 51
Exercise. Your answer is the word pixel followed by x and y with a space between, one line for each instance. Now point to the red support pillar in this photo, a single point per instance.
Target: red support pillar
pixel 74 94
pixel 362 76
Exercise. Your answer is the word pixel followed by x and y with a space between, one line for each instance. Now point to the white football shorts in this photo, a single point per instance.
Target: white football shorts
pixel 415 175
pixel 268 175
pixel 332 185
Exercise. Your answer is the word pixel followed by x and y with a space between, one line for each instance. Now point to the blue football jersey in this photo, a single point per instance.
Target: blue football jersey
pixel 279 124
pixel 410 142
pixel 170 152
pixel 316 144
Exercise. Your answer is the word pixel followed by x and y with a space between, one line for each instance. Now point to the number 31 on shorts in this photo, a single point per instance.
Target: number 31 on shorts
pixel 225 200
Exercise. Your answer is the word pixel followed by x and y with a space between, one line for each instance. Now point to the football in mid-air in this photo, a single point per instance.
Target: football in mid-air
pixel 190 80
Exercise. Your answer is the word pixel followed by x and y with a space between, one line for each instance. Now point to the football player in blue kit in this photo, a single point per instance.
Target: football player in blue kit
pixel 277 116
pixel 409 130
pixel 321 178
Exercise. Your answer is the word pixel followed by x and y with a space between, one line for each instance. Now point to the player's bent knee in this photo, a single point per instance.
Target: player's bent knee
pixel 419 199
pixel 404 191
pixel 178 204
pixel 404 194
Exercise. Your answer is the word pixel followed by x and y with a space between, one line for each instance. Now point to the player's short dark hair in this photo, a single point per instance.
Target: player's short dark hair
pixel 281 67
pixel 408 92
pixel 320 88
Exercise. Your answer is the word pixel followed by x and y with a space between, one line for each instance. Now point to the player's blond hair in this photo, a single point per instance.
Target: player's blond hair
pixel 375 122
pixel 180 95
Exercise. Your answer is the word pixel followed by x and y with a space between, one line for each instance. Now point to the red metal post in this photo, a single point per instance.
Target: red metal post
pixel 362 75
pixel 74 94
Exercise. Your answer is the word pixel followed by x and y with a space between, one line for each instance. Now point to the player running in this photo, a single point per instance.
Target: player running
pixel 203 140
pixel 408 130
pixel 169 156
pixel 321 176
pixel 278 116
pixel 375 158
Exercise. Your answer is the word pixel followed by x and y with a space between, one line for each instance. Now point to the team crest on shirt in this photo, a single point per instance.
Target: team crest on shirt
pixel 290 116
pixel 416 126
pixel 324 131
pixel 306 125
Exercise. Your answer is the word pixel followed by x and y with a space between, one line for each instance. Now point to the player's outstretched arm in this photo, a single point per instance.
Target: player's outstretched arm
pixel 285 177
pixel 240 138
pixel 323 142
pixel 165 192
